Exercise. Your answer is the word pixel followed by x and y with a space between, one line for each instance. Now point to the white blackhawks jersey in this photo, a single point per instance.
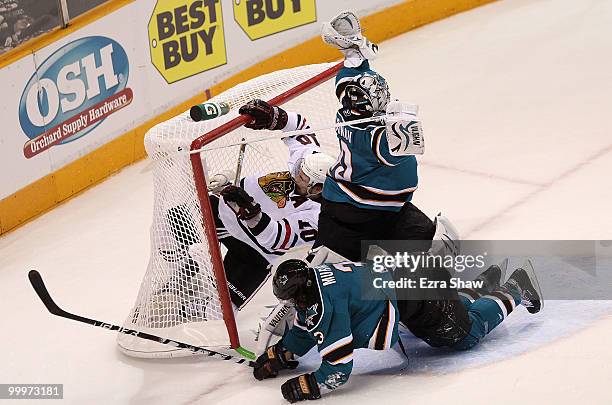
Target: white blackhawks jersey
pixel 288 219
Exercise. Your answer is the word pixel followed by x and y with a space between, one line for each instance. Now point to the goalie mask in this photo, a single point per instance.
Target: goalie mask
pixel 366 94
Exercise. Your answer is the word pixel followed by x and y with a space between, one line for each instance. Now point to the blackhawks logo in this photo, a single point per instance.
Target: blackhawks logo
pixel 277 186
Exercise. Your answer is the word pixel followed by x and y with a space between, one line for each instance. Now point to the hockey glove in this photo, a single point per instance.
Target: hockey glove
pixel 272 361
pixel 265 116
pixel 219 181
pixel 301 388
pixel 240 202
pixel 344 33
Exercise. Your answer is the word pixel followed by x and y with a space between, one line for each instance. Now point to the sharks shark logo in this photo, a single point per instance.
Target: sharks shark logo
pixel 311 313
pixel 283 279
pixel 334 380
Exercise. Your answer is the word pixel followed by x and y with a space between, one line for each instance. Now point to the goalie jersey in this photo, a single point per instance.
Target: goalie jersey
pixel 288 219
pixel 348 314
pixel 366 174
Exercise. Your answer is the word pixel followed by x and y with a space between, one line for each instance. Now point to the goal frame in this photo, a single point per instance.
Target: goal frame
pixel 199 177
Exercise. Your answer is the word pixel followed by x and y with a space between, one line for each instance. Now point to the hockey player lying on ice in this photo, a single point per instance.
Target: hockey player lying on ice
pixel 264 216
pixel 339 310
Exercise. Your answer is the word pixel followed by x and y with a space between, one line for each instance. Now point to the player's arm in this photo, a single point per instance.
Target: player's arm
pixel 296 229
pixel 335 343
pixel 336 349
pixel 279 357
pixel 299 145
pixel 266 116
pixel 380 148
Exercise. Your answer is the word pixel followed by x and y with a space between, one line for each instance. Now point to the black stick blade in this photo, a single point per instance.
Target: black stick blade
pixel 41 290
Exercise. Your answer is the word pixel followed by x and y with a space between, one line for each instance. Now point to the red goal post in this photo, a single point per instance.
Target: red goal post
pixel 199 177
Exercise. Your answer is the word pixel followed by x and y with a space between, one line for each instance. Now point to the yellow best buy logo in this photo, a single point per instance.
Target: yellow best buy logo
pixel 260 18
pixel 186 37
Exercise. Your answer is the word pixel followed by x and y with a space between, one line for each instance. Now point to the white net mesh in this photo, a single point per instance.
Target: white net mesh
pixel 178 297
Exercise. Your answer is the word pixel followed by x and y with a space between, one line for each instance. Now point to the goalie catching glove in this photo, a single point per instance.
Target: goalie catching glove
pixel 273 360
pixel 240 202
pixel 344 32
pixel 265 116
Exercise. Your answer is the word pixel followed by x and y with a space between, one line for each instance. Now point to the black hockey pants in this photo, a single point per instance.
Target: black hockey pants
pixel 343 226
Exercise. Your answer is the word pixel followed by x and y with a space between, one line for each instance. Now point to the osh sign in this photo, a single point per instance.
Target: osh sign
pixel 260 18
pixel 186 37
pixel 73 91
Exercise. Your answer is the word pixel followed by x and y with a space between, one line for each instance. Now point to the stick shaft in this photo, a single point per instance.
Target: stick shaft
pixel 239 164
pixel 42 292
pixel 293 133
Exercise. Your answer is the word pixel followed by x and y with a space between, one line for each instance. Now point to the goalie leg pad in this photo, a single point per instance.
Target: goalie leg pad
pixel 446 238
pixel 323 254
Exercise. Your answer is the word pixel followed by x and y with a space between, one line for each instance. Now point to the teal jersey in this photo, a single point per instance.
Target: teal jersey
pixel 366 174
pixel 348 314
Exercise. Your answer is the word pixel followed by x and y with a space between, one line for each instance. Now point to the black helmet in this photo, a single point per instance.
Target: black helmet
pixel 292 280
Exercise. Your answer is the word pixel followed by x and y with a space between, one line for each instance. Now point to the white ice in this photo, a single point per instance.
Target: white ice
pixel 515 99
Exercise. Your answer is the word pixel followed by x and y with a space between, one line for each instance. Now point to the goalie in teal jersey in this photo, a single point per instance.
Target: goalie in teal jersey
pixel 346 306
pixel 368 191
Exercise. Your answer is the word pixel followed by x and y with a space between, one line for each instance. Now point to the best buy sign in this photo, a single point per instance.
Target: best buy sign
pixel 260 18
pixel 186 37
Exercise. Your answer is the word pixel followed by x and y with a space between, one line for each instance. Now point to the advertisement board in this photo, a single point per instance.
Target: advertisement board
pixel 104 83
pixel 74 95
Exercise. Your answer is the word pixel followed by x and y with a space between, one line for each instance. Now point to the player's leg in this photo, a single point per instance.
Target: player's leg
pixel 246 270
pixel 435 315
pixel 412 224
pixel 490 310
pixel 342 227
pixel 461 319
pixel 491 280
pixel 183 230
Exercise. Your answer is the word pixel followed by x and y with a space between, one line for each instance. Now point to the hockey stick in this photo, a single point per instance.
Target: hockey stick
pixel 41 290
pixel 287 134
pixel 240 161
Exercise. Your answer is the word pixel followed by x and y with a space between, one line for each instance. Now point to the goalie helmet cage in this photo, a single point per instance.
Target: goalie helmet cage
pixel 184 293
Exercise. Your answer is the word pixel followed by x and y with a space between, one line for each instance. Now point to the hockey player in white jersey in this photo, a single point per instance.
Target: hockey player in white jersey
pixel 266 215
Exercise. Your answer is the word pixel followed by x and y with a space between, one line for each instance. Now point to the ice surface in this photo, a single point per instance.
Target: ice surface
pixel 515 102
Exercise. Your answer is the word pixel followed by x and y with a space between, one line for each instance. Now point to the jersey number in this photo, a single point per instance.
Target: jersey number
pixel 307 139
pixel 342 170
pixel 307 232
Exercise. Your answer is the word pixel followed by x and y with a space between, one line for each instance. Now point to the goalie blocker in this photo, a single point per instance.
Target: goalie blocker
pixel 404 130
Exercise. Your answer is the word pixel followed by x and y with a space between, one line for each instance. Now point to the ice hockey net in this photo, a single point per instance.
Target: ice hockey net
pixel 184 293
